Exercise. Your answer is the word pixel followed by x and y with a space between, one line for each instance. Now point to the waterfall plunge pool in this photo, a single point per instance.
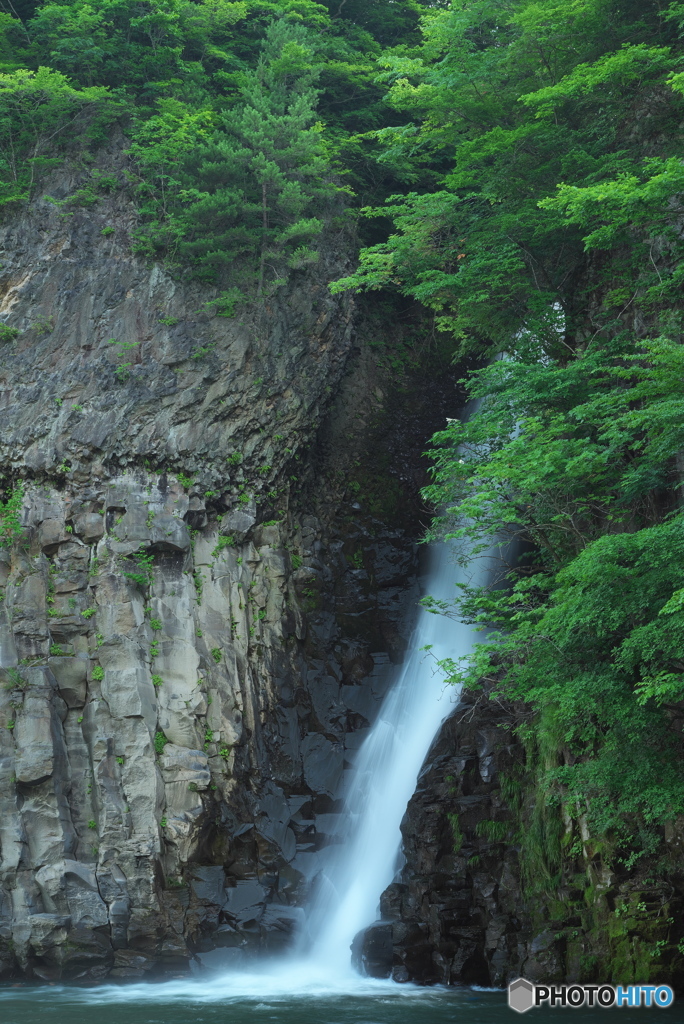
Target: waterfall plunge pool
pixel 257 998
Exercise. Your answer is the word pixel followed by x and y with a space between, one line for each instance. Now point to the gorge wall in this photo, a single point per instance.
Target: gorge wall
pixel 492 889
pixel 197 619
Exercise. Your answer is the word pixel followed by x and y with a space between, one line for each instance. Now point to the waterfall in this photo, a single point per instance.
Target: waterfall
pixel 385 772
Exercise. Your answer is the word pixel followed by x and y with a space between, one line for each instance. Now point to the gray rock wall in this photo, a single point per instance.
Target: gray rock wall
pixel 186 651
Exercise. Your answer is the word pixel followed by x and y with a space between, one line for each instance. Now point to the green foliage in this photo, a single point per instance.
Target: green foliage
pixel 10 517
pixel 227 541
pixel 238 183
pixel 122 371
pixel 39 111
pixel 143 575
pixel 8 333
pixel 494 831
pixel 244 117
pixel 88 613
pixel 216 654
pixel 185 481
pixel 15 680
pixel 160 741
pixel 56 650
pixel 157 680
pixel 538 216
pixel 515 111
pixel 44 325
pixel 98 673
pixel 156 624
pixel 455 831
pixel 576 457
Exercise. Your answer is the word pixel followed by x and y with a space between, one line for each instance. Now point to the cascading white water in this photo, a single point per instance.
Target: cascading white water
pixel 386 770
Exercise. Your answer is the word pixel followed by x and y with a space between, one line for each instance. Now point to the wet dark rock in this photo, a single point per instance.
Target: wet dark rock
pixel 456 911
pixel 372 950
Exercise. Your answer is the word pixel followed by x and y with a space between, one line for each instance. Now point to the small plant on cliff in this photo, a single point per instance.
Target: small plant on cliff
pixel 216 654
pixel 43 324
pixel 10 724
pixel 225 753
pixel 98 673
pixel 8 333
pixel 157 680
pixel 223 543
pixel 88 613
pixel 92 823
pixel 235 459
pixel 163 823
pixel 185 481
pixel 10 516
pixel 122 371
pixel 144 573
pixel 56 650
pixel 15 680
pixel 494 831
pixel 156 625
pixel 455 831
pixel 160 741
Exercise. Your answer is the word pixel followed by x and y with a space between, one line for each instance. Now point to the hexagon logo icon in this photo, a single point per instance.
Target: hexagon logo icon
pixel 521 995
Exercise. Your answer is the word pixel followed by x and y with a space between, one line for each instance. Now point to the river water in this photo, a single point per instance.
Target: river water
pixel 214 1001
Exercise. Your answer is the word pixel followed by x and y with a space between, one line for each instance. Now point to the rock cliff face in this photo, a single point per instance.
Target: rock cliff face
pixel 491 890
pixel 188 647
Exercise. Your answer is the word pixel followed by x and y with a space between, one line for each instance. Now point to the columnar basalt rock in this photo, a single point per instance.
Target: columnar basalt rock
pixel 181 677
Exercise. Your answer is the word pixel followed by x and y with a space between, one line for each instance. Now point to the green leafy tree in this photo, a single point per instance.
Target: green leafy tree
pixel 39 110
pixel 245 183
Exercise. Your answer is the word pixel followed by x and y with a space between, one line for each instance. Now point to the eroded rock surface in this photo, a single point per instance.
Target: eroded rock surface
pixel 187 654
pixel 493 890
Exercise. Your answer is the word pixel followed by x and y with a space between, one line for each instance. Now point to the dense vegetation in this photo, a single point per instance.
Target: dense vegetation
pixel 517 164
pixel 243 118
pixel 552 233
